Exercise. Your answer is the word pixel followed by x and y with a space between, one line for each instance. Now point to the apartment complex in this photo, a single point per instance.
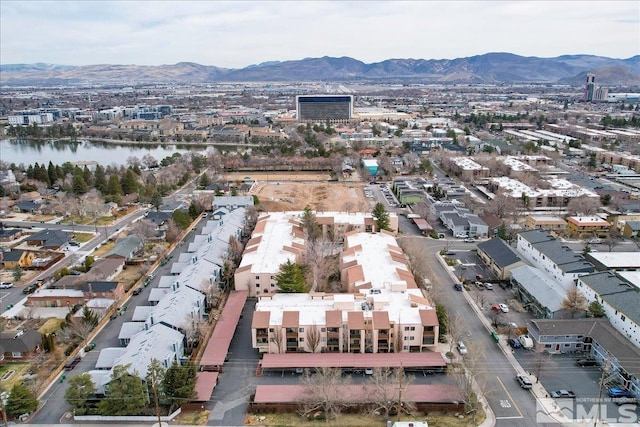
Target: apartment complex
pixel 588 226
pixel 383 310
pixel 335 108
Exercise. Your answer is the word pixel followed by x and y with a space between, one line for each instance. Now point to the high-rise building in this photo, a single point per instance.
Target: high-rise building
pixel 335 108
pixel 590 88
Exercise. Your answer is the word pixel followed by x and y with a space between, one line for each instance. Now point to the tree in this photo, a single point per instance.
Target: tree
pixel 21 401
pixel 323 391
pixel 81 389
pixel 17 273
pixel 574 302
pixel 156 200
pixel 181 218
pixel 443 319
pixel 540 361
pixel 79 185
pixel 595 309
pixel 310 225
pixel 179 384
pixel 113 186
pixel 313 337
pixel 204 181
pixel 129 182
pixel 468 378
pixel 81 327
pixel 125 393
pixel 381 217
pixel 290 279
pixel 384 389
pixel 583 205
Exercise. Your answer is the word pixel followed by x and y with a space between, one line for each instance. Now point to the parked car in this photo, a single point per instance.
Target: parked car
pixel 488 286
pixel 525 341
pixel 514 343
pixel 368 371
pixel 595 241
pixel 72 363
pixel 563 394
pixel 524 381
pixel 137 291
pixel 458 286
pixel 587 362
pixel 469 240
pixel 6 285
pixel 619 392
pixel 462 349
pixel 462 235
pixel 503 307
pixel 29 289
pixel 480 285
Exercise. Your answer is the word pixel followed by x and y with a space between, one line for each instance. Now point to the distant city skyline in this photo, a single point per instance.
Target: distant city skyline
pixel 239 34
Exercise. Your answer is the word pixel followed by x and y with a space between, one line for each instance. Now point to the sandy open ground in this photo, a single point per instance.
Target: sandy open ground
pixel 288 192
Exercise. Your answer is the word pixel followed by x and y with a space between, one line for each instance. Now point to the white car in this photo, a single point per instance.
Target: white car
pixel 462 349
pixel 6 285
pixel 504 308
pixel 461 236
pixel 595 241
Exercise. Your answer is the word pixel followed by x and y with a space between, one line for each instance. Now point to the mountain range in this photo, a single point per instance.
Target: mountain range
pixel 489 68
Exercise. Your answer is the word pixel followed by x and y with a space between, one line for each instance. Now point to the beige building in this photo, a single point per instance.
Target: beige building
pixel 545 222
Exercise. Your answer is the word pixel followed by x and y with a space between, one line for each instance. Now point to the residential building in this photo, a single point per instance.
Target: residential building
pixel 614 261
pixel 631 230
pixel 619 298
pixel 538 293
pixel 49 239
pixel 544 222
pixel 596 338
pixel 560 262
pixel 19 345
pixel 320 108
pixel 126 247
pixel 231 202
pixel 588 226
pixel 17 258
pixel 499 257
pixel 467 169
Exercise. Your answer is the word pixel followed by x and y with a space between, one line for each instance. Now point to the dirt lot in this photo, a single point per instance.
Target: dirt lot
pixel 287 192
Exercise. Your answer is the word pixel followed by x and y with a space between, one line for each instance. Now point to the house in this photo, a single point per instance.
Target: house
pixel 103 289
pixel 126 247
pixel 631 229
pixel 19 345
pixel 619 298
pixel 9 234
pixel 172 206
pixel 231 202
pixel 106 268
pixel 493 224
pixel 158 218
pixel 49 239
pixel 615 261
pixel 27 207
pixel 17 258
pixel 588 226
pixel 499 257
pixel 56 298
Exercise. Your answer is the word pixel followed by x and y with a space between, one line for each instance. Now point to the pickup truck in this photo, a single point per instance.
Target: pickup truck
pixel 567 394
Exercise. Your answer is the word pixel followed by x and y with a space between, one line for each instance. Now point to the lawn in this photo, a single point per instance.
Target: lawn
pixel 356 420
pixel 18 368
pixel 83 237
pixel 50 326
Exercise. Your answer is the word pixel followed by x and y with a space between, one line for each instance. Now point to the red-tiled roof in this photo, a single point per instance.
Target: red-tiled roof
pixel 260 319
pixel 205 383
pixel 290 319
pixel 355 320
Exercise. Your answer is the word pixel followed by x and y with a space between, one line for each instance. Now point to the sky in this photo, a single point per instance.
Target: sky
pixel 238 34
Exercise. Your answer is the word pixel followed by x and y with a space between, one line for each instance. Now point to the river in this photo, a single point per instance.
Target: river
pixel 58 152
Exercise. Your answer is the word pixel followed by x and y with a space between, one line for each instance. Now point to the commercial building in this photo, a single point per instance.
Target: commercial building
pixel 588 226
pixel 335 108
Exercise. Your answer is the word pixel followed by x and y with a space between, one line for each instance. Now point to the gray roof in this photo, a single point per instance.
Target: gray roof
pixel 26 342
pixel 474 219
pixel 546 291
pixel 536 236
pixel 627 355
pixel 12 255
pixel 615 291
pixel 126 246
pixel 563 256
pixel 129 329
pixel 232 201
pixel 500 252
pixel 108 356
pixel 634 225
pixel 53 238
pixel 99 286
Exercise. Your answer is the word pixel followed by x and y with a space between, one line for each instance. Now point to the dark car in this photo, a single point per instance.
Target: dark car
pixel 29 289
pixel 72 363
pixel 560 394
pixel 137 291
pixel 586 362
pixel 514 343
pixel 458 286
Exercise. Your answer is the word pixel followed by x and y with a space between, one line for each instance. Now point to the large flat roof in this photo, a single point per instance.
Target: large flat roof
pixel 352 360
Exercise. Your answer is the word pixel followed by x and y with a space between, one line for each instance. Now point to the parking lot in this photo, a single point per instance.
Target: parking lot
pixel 560 372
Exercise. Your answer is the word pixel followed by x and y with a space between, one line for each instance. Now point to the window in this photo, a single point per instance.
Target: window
pixel 301 330
pixel 257 285
pixel 566 345
pixel 301 339
pixel 406 328
pixel 324 339
pixel 323 329
pixel 270 329
pixel 547 346
pixel 622 317
pixel 16 354
pixel 257 277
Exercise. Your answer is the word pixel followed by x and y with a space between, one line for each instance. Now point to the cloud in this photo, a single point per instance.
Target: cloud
pixel 237 34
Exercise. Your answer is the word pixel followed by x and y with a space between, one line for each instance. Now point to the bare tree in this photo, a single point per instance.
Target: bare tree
pixel 454 330
pixel 144 229
pixel 469 378
pixel 583 205
pixel 540 361
pixel 234 250
pixel 211 291
pixel 194 330
pixel 277 337
pixel 149 161
pixel 502 206
pixel 496 317
pixel 574 302
pixel 313 337
pixel 384 389
pixel 323 391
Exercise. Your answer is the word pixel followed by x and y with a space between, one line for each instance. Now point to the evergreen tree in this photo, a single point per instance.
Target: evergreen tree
pixel 310 225
pixel 156 200
pixel 81 389
pixel 381 217
pixel 113 186
pixel 595 309
pixel 179 384
pixel 21 401
pixel 502 231
pixel 204 181
pixel 100 179
pixel 181 219
pixel 129 183
pixel 79 186
pixel 52 172
pixel 126 395
pixel 87 176
pixel 290 279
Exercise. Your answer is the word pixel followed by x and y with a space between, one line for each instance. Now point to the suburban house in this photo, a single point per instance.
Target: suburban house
pixel 596 338
pixel 620 299
pixel 499 257
pixel 106 268
pixel 49 239
pixel 103 289
pixel 9 234
pixel 231 202
pixel 126 247
pixel 19 345
pixel 17 258
pixel 631 229
pixel 158 218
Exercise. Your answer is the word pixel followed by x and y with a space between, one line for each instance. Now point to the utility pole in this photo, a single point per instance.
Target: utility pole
pixel 154 383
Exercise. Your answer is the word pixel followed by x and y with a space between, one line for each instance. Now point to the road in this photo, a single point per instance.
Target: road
pixel 511 405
